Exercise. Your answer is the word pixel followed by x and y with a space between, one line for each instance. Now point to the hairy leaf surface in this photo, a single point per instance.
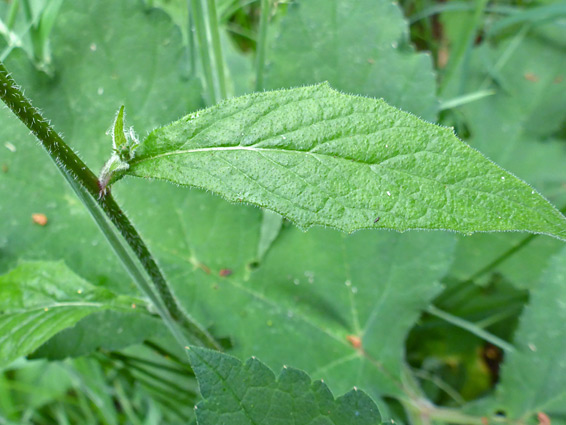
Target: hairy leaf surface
pixel 319 157
pixel 242 394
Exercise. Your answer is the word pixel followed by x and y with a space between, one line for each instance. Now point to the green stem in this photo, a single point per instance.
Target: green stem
pixel 502 258
pixel 192 45
pixel 12 14
pixel 85 184
pixel 423 412
pixel 125 405
pixel 185 371
pixel 205 21
pixel 165 353
pixel 452 416
pixel 33 31
pixel 216 46
pixel 507 254
pixel 462 48
pixel 440 384
pixel 261 43
pixel 471 327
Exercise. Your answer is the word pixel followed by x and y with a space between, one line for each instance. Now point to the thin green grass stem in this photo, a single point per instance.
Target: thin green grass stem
pixel 261 44
pixel 205 23
pixel 462 47
pixel 470 327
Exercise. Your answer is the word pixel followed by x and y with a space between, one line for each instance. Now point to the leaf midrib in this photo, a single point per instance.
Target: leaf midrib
pixel 314 155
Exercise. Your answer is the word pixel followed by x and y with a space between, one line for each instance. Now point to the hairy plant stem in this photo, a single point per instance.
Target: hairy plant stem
pixel 104 208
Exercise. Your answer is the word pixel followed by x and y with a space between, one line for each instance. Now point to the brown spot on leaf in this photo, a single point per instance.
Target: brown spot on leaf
pixel 543 418
pixel 355 340
pixel 558 79
pixel 225 272
pixel 39 218
pixel 532 77
pixel 371 61
pixel 4 168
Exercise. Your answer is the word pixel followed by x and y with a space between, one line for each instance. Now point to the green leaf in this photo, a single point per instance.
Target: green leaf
pixel 358 46
pixel 522 259
pixel 39 383
pixel 319 157
pixel 40 299
pixel 118 132
pixel 236 393
pixel 110 330
pixel 100 65
pixel 270 227
pixel 518 128
pixel 534 376
pixel 348 302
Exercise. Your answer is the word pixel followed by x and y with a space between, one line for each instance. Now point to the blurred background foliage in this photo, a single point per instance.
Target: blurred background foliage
pixel 494 70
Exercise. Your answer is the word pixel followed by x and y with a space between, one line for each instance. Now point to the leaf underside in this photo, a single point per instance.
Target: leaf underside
pixel 320 157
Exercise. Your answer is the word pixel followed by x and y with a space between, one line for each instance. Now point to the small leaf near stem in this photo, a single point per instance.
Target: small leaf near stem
pixel 124 145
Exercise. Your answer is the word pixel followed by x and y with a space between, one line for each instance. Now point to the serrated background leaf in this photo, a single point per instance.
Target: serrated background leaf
pixel 236 393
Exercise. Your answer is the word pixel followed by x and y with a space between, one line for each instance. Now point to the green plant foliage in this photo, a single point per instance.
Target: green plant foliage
pixel 404 317
pixel 347 301
pixel 236 393
pixel 338 41
pixel 109 330
pixel 534 377
pixel 40 299
pixel 100 70
pixel 317 156
pixel 518 128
